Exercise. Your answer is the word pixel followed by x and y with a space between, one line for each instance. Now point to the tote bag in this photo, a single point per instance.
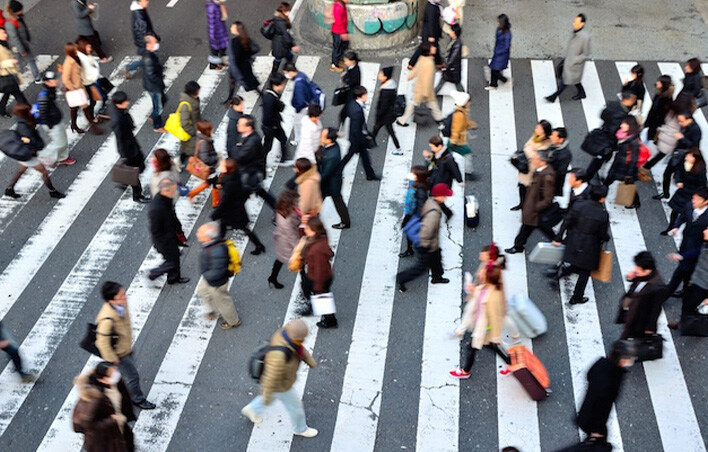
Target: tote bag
pixel 323 304
pixel 77 98
pixel 625 193
pixel 603 273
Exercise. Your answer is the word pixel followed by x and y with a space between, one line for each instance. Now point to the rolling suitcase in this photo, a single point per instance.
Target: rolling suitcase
pixel 530 372
pixel 471 211
pixel 547 253
pixel 528 318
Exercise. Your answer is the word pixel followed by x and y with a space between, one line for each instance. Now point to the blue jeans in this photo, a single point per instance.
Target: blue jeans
pixel 292 403
pixel 131 378
pixel 138 63
pixel 156 114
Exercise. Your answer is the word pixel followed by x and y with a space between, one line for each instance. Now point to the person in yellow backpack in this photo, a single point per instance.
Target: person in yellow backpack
pixel 189 116
pixel 216 269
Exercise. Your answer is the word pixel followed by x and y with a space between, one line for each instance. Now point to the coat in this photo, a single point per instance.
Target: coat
pixel 18 35
pixel 218 35
pixel 232 208
pixel 483 316
pixel 657 113
pixel 444 169
pixel 128 147
pixel 385 102
pixel 573 198
pixel 604 382
pixel 27 131
pixel 691 136
pixel 141 25
pixel 357 125
pixel 351 78
pixel 586 227
pixel 309 189
pixel 189 116
pixel 82 14
pixel 640 309
pixel 452 72
pixel 242 58
pixel 164 225
pixel 206 152
pixel 249 155
pixel 531 148
pixel 612 117
pixel 692 181
pixel 90 71
pixel 301 92
pixel 625 162
pixel 152 73
pixel 272 109
pixel 283 41
pixel 49 111
pixel 424 74
pixel 286 235
pixel 280 373
pixel 502 50
pixel 214 263
pixel 429 234
pixel 109 323
pixel 577 53
pixel 71 74
pixel 431 21
pixel 666 142
pixel 692 84
pixel 331 171
pixel 317 259
pixel 461 123
pixel 340 20
pixel 232 134
pixel 171 174
pixel 560 160
pixel 8 65
pixel 539 196
pixel 692 234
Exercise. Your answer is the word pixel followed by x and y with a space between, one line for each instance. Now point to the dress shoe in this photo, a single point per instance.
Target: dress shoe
pixel 325 325
pixel 401 124
pixel 578 300
pixel 514 250
pixel 273 282
pixel 439 281
pixel 551 273
pixel 551 98
pixel 152 276
pixel 406 253
pixel 665 232
pixel 180 280
pixel 258 250
pixel 677 294
pixel 516 207
pixel 341 226
pixel 579 97
pixel 142 199
pixel 661 196
pixel 56 194
pixel 374 177
pixel 633 206
pixel 673 325
pixel 146 405
pixel 11 193
pixel 402 287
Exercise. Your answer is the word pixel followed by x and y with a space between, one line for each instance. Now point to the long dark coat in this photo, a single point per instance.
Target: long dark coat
pixel 643 307
pixel 453 66
pixel 586 227
pixel 539 196
pixel 692 181
pixel 128 147
pixel 692 234
pixel 283 41
pixel 164 225
pixel 444 170
pixel 502 50
pixel 232 208
pixel 604 382
pixel 242 58
pixel 620 168
pixel 331 171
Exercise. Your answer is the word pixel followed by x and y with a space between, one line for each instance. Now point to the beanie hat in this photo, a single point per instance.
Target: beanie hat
pixel 297 329
pixel 460 97
pixel 15 6
pixel 441 189
pixel 387 72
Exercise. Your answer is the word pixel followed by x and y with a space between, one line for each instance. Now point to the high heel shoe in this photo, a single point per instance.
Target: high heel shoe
pixel 406 253
pixel 76 129
pixel 273 282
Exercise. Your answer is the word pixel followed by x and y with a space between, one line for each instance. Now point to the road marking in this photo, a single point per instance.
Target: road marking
pixel 19 273
pixel 142 293
pixel 271 434
pixel 673 409
pixel 43 62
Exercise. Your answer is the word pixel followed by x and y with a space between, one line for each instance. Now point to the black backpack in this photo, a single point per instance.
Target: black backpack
pixel 447 125
pixel 11 145
pixel 268 29
pixel 399 105
pixel 256 364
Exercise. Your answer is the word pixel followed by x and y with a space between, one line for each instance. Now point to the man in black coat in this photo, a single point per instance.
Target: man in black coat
pixel 689 136
pixel 452 72
pixel 232 135
pixel 560 156
pixel 584 230
pixel 358 132
pixel 443 168
pixel 141 26
pixel 251 159
pixel 695 216
pixel 431 30
pixel 640 306
pixel 153 82
pixel 164 228
pixel 128 147
pixel 330 171
pixel 612 117
pixel 273 107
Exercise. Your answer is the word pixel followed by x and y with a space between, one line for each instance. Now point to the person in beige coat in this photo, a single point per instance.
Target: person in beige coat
pixel 279 374
pixel 424 91
pixel 308 182
pixel 71 77
pixel 539 141
pixel 461 123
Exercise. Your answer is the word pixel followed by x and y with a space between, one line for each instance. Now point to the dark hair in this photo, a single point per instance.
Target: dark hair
pixel 284 7
pixel 351 55
pixel 230 166
pixel 314 110
pixel 425 48
pixel 627 94
pixel 421 176
pixel 191 88
pixel 666 88
pixel 702 192
pixel 315 223
pixel 699 166
pixel 579 174
pixel 205 128
pixel 645 260
pixel 332 134
pixel 504 23
pixel 547 128
pixel 358 91
pixel 493 276
pixel 99 372
pixel 70 50
pixel 686 114
pixel 622 350
pixel 456 29
pixel 694 64
pixel 638 70
pixel 243 36
pixel 501 260
pixel 81 44
pixel 286 201
pixel 119 97
pixel 250 121
pixel 597 192
pixel 435 140
pixel 510 449
pixel 582 17
pixel 302 164
pixel 289 67
pixel 631 121
pixel 683 102
pixel 163 159
pixel 110 289
pixel 24 111
pixel 236 100
pixel 276 79
pixel 562 132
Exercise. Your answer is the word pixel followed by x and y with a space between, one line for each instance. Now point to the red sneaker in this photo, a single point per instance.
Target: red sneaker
pixel 66 161
pixel 459 373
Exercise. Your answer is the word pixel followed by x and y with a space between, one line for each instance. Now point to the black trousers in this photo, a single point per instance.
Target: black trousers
pixel 170 266
pixel 308 288
pixel 249 233
pixel 14 91
pixel 341 208
pixel 409 244
pixel 562 86
pixel 654 160
pixel 339 46
pixel 666 178
pixel 470 352
pixel 525 233
pixel 275 133
pixel 583 278
pixel 389 129
pixel 693 296
pixel 363 155
pixel 496 77
pixel 682 274
pixel 95 41
pixel 425 260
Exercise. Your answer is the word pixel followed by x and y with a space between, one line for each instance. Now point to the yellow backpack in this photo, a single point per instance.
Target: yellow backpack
pixel 234 258
pixel 174 123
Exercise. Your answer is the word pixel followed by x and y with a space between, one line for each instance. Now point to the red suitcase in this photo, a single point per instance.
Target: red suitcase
pixel 530 372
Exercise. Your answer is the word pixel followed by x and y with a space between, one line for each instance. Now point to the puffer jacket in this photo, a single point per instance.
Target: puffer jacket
pixel 218 36
pixel 280 373
pixel 214 263
pixel 206 152
pixel 666 142
pixel 283 41
pixel 461 123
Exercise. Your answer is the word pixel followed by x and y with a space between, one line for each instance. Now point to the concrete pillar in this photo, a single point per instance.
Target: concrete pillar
pixel 373 24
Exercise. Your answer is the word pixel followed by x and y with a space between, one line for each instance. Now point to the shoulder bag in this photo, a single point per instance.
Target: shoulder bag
pixel 88 343
pixel 196 167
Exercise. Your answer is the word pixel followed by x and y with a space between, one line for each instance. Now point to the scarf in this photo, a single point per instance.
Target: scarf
pixel 537 138
pixel 298 348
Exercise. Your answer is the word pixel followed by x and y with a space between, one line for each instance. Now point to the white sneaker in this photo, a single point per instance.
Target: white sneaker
pixel 178 163
pixel 293 143
pixel 286 163
pixel 256 419
pixel 308 433
pixel 398 152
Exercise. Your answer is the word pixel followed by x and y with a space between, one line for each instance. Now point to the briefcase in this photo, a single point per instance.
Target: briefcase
pixel 124 174
pixel 340 96
pixel 547 253
pixel 649 348
pixel 603 272
pixel 625 193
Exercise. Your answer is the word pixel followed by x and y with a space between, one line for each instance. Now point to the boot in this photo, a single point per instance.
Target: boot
pixel 73 113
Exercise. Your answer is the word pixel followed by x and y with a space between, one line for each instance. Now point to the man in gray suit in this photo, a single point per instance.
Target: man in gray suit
pixel 575 57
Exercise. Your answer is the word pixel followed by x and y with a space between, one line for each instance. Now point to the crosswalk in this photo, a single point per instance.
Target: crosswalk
pixel 382 381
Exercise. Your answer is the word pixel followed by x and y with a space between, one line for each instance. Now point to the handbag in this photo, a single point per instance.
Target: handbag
pixel 644 174
pixel 174 123
pixel 323 304
pixel 197 168
pixel 88 342
pixel 77 98
pixel 603 272
pixel 649 348
pixel 125 174
pixel 340 96
pixel 7 82
pixel 677 158
pixel 255 48
pixel 95 93
pixel 105 85
pixel 625 193
pixel 551 216
pixel 297 261
pixel 520 161
pixel 597 143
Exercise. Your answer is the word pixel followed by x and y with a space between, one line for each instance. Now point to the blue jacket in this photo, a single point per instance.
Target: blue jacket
pixel 502 49
pixel 301 92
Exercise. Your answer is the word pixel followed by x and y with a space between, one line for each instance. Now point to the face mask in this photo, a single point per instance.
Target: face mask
pixel 687 166
pixel 157 47
pixel 411 176
pixel 115 377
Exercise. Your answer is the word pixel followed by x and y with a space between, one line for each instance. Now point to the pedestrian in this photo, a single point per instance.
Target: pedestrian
pixel 560 156
pixel 286 234
pixel 694 216
pixel 661 103
pixel 236 107
pixel 84 13
pixel 459 126
pixel 690 177
pixel 164 168
pixel 213 288
pixel 128 147
pixel 416 196
pixel 385 112
pixel 316 274
pixel 539 141
pixel 241 51
pixel 604 383
pixel 330 168
pixel 431 30
pixel 423 92
pixel 351 78
pixel 252 160
pixel 359 136
pixel 482 319
pixel 428 248
pixel 283 43
pixel 340 34
pixel 310 134
pixel 308 187
pixel 103 412
pixel 640 306
pixel 19 37
pixel 537 201
pixel 696 293
pixel 153 82
pixel 56 151
pixel 189 115
pixel 114 340
pixel 612 117
pixel 27 129
pixel 141 26
pixel 231 211
pixel 9 76
pixel 71 77
pixel 443 168
pixel 90 73
pixel 452 71
pixel 302 96
pixel 625 165
pixel 9 346
pixel 584 230
pixel 218 36
pixel 206 153
pixel 634 83
pixel 502 52
pixel 452 14
pixel 272 120
pixel 279 375
pixel 165 229
pixel 577 53
pixel 693 81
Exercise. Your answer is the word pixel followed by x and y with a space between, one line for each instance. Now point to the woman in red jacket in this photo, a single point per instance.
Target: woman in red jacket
pixel 340 33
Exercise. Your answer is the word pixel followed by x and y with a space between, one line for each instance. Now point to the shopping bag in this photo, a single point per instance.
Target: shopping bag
pixel 77 98
pixel 124 174
pixel 625 193
pixel 603 272
pixel 323 304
